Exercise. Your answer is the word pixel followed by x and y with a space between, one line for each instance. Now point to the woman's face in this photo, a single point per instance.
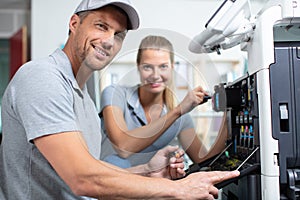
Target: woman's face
pixel 155 69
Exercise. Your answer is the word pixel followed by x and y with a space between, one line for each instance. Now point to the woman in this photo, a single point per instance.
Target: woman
pixel 138 121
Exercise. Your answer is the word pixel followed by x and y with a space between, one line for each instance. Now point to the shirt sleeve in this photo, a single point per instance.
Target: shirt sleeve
pixel 44 102
pixel 112 95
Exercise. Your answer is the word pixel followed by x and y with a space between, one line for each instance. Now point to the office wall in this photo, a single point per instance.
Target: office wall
pixel 50 19
pixel 188 17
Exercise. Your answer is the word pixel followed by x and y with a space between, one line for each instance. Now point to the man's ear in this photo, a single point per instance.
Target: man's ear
pixel 74 22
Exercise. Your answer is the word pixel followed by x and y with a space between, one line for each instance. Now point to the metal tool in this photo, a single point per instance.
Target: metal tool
pixel 247 158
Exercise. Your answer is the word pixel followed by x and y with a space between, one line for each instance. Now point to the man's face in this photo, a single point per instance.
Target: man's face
pixel 99 37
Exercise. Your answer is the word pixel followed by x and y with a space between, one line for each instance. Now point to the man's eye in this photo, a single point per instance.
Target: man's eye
pixel 120 36
pixel 102 26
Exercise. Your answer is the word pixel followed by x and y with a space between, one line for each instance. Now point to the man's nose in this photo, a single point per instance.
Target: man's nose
pixel 108 41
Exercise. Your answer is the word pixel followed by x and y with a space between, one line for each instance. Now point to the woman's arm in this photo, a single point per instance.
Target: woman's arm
pixel 140 138
pixel 194 147
pixel 136 139
pixel 168 162
pixel 220 143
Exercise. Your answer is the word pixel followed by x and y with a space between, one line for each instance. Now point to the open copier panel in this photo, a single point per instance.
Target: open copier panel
pixel 239 101
pixel 243 104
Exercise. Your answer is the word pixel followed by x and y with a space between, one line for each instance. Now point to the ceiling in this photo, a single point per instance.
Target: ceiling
pixel 14 4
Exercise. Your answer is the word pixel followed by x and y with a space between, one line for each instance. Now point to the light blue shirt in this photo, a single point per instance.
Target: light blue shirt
pixel 127 99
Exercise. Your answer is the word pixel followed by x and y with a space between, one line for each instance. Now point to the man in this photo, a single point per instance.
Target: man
pixel 51 132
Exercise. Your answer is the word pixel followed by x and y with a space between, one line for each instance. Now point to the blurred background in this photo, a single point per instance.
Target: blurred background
pixel 31 29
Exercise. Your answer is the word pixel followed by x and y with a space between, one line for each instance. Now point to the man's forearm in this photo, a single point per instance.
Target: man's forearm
pixel 120 185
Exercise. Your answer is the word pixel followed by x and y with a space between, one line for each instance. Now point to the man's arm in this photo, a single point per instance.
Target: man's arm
pixel 87 176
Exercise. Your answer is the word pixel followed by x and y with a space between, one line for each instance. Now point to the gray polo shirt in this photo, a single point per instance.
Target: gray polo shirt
pixel 127 99
pixel 43 98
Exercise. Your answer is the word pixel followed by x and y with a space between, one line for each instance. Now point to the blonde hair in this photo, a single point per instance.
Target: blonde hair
pixel 160 43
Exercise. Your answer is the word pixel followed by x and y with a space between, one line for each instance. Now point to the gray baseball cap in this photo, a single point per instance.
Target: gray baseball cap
pixel 125 5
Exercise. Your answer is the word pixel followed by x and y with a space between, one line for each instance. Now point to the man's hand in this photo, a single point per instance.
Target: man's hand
pixel 167 163
pixel 201 184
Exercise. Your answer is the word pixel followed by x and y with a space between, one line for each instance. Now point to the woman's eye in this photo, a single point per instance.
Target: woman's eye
pixel 164 66
pixel 147 67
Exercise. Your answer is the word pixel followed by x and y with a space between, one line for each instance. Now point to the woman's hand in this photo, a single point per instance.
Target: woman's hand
pixel 167 163
pixel 192 99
